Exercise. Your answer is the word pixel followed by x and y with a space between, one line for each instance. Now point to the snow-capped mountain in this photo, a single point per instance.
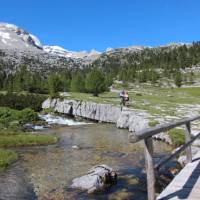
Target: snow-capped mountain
pixel 13 37
pixel 56 50
pixel 19 47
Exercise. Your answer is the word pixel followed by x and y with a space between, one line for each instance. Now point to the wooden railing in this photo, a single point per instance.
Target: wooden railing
pixel 147 134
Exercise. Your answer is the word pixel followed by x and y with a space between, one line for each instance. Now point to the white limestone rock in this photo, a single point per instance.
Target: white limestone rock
pixel 137 123
pixel 123 120
pixel 97 178
pixel 127 118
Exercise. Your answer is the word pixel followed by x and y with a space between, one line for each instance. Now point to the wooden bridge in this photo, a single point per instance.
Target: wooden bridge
pixel 186 185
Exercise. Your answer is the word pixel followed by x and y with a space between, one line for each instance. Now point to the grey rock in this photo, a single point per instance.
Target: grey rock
pixel 163 136
pixel 182 158
pixel 137 123
pixel 128 118
pixel 131 120
pixel 97 178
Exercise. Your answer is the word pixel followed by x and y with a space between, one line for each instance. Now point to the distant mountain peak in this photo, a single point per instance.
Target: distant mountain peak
pixel 13 37
pixel 57 50
pixel 175 44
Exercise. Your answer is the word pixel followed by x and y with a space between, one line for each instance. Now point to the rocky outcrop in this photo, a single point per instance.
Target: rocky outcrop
pixel 98 178
pixel 182 158
pixel 133 120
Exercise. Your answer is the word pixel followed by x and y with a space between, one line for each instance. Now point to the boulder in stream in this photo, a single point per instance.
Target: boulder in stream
pixel 98 178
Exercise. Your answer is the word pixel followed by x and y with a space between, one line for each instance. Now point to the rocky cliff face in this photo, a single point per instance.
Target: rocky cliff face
pixel 132 120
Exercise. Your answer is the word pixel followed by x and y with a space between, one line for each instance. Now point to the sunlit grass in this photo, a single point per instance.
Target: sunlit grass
pixel 24 139
pixel 6 158
pixel 154 100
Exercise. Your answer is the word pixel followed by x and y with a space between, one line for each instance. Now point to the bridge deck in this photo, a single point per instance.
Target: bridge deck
pixel 186 185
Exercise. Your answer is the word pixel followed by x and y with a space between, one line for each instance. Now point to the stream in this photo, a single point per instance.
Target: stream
pixel 46 172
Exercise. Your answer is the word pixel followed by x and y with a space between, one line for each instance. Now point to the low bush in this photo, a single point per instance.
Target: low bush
pixel 177 136
pixel 21 101
pixel 10 117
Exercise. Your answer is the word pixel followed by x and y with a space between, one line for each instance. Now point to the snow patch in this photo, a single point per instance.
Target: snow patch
pixel 36 40
pixel 10 26
pixel 5 35
pixel 4 41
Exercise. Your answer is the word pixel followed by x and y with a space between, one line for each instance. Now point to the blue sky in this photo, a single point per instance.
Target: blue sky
pixel 98 24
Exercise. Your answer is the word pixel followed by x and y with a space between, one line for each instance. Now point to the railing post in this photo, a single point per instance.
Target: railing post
pixel 187 139
pixel 148 150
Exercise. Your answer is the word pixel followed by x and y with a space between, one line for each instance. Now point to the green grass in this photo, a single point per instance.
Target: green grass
pixel 11 138
pixel 194 92
pixel 25 139
pixel 153 123
pixel 107 97
pixel 177 136
pixel 154 100
pixel 6 158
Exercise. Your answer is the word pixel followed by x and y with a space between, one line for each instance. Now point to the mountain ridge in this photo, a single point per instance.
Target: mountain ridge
pixel 21 48
pixel 7 39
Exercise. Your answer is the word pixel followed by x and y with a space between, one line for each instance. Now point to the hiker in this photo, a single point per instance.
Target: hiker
pixel 124 97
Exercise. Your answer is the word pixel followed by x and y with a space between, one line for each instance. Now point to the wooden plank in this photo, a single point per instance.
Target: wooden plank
pixel 177 198
pixel 187 139
pixel 148 150
pixel 149 132
pixel 186 185
pixel 179 193
pixel 196 157
pixel 193 183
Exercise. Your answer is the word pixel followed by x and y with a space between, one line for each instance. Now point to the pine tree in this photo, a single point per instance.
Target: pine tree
pixel 54 85
pixel 178 79
pixel 95 82
pixel 78 82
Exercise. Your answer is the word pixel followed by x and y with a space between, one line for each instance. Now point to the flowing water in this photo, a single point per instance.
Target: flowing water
pixel 46 172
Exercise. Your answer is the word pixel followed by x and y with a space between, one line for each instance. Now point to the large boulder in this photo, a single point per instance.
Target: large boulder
pixel 132 121
pixel 98 178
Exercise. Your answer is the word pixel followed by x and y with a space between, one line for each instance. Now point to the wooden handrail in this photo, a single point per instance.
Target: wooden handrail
pixel 176 153
pixel 147 134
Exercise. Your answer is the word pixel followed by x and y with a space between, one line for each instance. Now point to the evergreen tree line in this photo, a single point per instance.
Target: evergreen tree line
pixel 91 80
pixel 143 65
pixel 147 65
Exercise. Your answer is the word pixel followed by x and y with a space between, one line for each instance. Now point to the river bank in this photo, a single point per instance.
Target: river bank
pixel 13 133
pixel 126 118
